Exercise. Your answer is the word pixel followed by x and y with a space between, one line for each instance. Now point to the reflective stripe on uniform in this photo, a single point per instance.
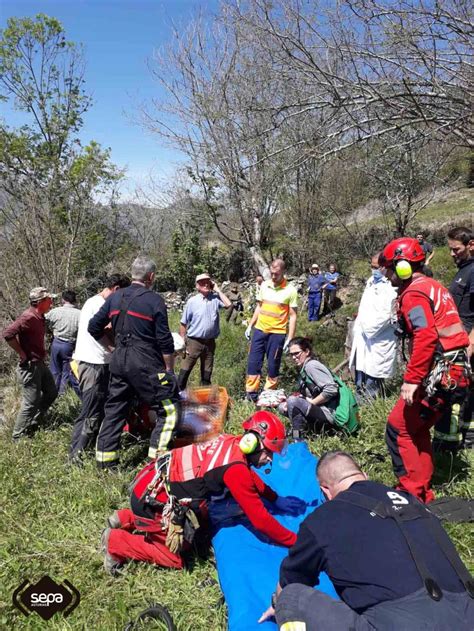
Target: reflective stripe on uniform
pixel 295 625
pixel 454 435
pixel 252 383
pixel 271 383
pixel 170 423
pixel 453 329
pixel 106 456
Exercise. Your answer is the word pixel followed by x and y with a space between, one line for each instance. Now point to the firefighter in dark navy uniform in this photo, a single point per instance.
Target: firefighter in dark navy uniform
pixel 141 365
pixel 168 494
pixel 437 374
pixel 391 562
pixel 456 429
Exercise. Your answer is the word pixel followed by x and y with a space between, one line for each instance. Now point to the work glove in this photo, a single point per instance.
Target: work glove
pixel 291 505
pixel 248 333
pixel 175 538
pixel 286 344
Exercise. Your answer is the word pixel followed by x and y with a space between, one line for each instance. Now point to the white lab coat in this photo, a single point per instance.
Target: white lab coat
pixel 374 348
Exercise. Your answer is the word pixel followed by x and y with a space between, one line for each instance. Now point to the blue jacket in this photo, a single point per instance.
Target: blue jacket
pixel 315 282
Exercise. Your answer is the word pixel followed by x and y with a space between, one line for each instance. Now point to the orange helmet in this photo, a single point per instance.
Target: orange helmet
pixel 403 249
pixel 270 429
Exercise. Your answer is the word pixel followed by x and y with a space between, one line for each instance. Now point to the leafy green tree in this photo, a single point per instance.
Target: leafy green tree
pixel 49 182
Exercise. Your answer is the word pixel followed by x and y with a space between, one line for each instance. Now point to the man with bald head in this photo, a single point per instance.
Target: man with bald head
pixel 391 562
pixel 274 324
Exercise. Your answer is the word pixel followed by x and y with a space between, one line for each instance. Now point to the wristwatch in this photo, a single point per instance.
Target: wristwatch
pixel 274 599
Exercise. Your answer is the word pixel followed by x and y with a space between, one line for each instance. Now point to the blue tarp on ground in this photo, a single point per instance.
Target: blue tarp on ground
pixel 248 566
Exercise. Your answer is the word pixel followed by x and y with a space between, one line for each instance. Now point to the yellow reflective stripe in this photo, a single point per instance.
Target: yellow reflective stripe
pixel 170 423
pixel 454 434
pixel 449 438
pixel 106 456
pixel 152 451
pixel 74 368
pixel 467 424
pixel 252 383
pixel 271 383
pixel 295 625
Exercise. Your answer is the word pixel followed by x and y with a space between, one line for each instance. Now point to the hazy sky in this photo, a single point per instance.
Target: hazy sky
pixel 118 36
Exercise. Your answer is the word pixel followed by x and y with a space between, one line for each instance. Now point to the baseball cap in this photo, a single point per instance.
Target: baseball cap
pixel 314 265
pixel 202 277
pixel 40 293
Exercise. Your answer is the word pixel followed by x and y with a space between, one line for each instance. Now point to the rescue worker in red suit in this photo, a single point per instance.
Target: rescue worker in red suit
pixel 191 476
pixel 435 376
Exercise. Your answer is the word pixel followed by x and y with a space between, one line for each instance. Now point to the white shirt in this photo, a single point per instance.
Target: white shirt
pixel 374 348
pixel 87 348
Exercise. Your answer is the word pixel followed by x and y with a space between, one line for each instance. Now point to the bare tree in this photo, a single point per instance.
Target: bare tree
pixel 371 67
pixel 217 114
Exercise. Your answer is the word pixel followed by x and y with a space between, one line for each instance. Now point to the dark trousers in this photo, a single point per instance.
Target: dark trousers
pixel 198 348
pixel 318 611
pixel 94 382
pixel 134 375
pixel 455 428
pixel 314 303
pixel 304 416
pixel 367 387
pixel 329 300
pixel 39 392
pixel 271 345
pixel 61 355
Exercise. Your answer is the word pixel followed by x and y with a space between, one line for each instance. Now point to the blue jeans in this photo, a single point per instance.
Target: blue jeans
pixel 61 355
pixel 314 303
pixel 368 387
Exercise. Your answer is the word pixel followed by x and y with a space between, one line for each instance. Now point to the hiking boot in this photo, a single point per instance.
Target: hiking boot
pixel 113 520
pixel 111 564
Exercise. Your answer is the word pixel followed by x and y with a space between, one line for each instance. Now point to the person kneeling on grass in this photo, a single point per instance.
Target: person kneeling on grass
pixel 315 405
pixel 390 560
pixel 168 493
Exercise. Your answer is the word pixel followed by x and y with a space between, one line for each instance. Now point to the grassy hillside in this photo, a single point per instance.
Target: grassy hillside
pixel 51 516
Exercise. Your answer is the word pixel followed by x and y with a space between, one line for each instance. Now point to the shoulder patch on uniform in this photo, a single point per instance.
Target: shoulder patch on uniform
pixel 417 318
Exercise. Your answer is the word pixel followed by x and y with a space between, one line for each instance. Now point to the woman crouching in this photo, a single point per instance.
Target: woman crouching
pixel 314 407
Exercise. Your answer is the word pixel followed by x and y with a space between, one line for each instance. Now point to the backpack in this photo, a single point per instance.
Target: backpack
pixel 346 414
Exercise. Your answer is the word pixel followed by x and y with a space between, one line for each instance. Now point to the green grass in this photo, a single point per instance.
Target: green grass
pixel 51 516
pixel 454 204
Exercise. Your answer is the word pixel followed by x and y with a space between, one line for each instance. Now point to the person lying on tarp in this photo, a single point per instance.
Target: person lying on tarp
pixel 390 560
pixel 168 494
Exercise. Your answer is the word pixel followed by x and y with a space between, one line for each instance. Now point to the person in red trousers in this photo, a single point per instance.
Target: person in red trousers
pixel 436 375
pixel 170 493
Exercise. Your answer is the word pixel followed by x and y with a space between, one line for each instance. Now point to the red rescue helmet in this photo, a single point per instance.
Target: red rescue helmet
pixel 270 429
pixel 403 249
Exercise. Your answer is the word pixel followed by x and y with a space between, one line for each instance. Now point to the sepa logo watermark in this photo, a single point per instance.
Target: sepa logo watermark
pixel 46 597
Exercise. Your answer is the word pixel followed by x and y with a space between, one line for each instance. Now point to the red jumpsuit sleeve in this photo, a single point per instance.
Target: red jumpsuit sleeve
pixel 418 315
pixel 242 485
pixel 262 489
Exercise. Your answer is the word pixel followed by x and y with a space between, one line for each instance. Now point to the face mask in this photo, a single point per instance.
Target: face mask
pixel 377 275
